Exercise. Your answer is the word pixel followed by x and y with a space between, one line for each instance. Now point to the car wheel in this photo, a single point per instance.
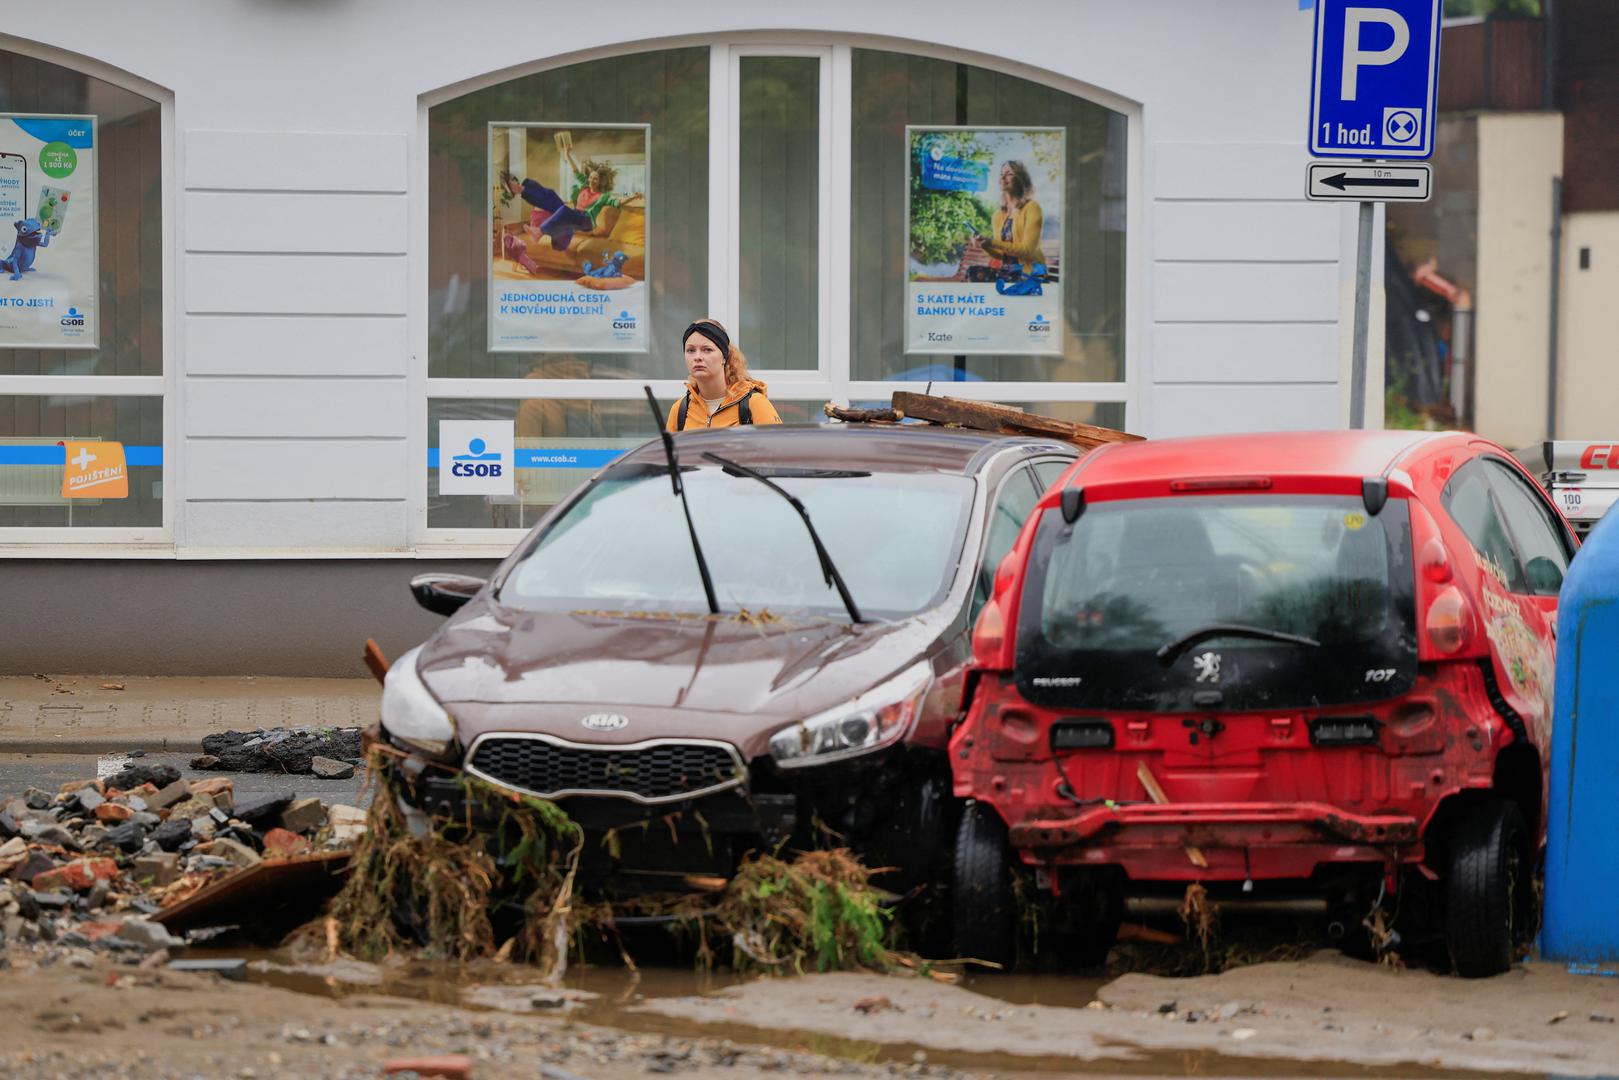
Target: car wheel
pixel 1486 891
pixel 984 914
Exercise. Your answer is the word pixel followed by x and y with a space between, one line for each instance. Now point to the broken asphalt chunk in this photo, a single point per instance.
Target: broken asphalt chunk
pixel 327 768
pixel 260 809
pixel 128 837
pixel 133 776
pixel 172 833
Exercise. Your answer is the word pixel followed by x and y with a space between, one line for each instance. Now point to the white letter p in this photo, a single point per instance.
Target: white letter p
pixel 1354 58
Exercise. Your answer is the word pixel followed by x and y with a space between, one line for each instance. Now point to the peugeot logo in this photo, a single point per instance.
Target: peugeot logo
pixel 605 721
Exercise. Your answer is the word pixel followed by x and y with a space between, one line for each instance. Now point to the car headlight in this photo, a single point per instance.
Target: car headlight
pixel 410 713
pixel 879 717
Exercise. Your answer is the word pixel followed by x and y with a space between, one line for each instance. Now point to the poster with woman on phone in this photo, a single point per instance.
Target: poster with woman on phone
pixel 984 223
pixel 47 231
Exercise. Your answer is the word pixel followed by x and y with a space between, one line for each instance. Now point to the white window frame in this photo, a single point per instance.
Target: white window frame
pixel 831 381
pixel 725 210
pixel 79 541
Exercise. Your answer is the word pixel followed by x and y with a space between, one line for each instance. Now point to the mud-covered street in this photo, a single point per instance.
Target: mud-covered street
pixel 81 1004
pixel 1324 1016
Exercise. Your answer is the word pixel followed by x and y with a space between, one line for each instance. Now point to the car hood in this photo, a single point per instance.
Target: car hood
pixel 726 677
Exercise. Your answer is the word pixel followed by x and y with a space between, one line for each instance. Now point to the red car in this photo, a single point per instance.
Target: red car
pixel 1315 663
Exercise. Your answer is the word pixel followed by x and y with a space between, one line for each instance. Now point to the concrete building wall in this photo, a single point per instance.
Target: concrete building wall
pixel 1588 336
pixel 1519 155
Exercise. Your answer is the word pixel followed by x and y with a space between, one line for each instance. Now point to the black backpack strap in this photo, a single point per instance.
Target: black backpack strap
pixel 685 407
pixel 744 411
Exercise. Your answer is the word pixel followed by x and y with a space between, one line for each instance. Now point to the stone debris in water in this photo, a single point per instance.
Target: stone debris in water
pixel 281 750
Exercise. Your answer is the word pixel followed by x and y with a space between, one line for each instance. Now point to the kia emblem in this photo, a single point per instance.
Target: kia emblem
pixel 605 721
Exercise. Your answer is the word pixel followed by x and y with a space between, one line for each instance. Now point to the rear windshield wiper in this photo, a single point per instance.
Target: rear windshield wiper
pixel 829 570
pixel 1171 652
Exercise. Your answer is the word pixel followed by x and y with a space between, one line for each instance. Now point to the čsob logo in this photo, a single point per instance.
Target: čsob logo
pixel 625 321
pixel 73 317
pixel 1039 325
pixel 479 460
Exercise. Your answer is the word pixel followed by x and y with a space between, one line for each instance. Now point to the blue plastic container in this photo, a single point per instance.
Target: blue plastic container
pixel 1582 828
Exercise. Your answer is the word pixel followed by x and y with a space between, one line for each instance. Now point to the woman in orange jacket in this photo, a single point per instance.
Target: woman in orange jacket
pixel 719 393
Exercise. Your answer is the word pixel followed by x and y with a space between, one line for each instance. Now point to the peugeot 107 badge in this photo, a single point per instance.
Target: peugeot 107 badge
pixel 1207 667
pixel 605 721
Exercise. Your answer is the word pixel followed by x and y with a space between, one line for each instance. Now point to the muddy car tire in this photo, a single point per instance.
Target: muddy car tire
pixel 1486 891
pixel 984 914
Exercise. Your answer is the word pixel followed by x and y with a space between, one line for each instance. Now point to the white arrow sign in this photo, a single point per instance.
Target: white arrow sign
pixel 1335 181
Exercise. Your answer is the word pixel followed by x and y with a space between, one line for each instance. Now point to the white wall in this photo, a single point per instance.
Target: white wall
pixel 1588 338
pixel 1518 155
pixel 303 117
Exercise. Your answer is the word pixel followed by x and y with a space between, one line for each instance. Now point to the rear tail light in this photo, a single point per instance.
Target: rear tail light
pixel 989 637
pixel 1343 731
pixel 1435 561
pixel 1448 620
pixel 991 634
pixel 1222 483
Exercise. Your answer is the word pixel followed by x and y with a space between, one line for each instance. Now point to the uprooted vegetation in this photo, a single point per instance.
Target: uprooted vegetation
pixel 508 892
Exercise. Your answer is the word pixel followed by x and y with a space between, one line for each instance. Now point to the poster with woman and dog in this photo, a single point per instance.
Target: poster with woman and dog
pixel 47 231
pixel 984 219
pixel 568 237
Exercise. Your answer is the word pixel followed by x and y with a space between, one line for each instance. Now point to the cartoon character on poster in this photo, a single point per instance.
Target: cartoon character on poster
pixel 568 236
pixel 984 224
pixel 47 266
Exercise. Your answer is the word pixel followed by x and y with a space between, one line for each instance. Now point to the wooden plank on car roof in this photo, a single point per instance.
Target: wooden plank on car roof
pixel 983 416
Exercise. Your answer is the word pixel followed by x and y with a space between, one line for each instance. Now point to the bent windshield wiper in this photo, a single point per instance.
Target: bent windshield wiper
pixel 829 570
pixel 1171 652
pixel 680 489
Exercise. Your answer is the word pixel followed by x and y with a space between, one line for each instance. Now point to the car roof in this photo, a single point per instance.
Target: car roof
pixel 1350 454
pixel 871 447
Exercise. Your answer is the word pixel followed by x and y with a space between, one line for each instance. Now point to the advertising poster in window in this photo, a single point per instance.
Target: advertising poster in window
pixel 984 223
pixel 47 231
pixel 568 237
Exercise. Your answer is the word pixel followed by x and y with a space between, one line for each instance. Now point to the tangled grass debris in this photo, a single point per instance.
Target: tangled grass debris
pixel 459 892
pixel 507 891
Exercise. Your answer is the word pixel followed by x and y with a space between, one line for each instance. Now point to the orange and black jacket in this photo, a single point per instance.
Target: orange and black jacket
pixel 745 403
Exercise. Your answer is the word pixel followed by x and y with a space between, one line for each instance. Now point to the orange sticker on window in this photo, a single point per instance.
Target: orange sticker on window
pixel 94 470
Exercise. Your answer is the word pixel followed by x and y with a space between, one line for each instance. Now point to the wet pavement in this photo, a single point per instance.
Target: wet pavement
pixel 48 772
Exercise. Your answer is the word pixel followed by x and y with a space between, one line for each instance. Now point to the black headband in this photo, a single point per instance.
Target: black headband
pixel 714 333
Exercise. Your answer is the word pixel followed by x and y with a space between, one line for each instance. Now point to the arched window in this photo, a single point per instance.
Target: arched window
pixel 844 210
pixel 81 307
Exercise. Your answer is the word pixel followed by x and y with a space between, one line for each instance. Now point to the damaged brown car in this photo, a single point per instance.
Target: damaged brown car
pixel 736 641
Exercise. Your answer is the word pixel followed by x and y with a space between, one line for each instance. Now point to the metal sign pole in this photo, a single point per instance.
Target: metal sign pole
pixel 1363 318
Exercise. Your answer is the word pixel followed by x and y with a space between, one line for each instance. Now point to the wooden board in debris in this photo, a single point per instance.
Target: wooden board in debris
pixel 982 416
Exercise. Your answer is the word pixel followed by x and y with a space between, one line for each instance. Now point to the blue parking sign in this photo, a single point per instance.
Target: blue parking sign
pixel 1375 79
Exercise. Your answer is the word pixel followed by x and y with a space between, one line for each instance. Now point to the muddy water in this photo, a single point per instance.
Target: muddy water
pixel 611 997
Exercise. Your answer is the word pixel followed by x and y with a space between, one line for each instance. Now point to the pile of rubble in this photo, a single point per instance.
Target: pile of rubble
pixel 327 753
pixel 97 863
